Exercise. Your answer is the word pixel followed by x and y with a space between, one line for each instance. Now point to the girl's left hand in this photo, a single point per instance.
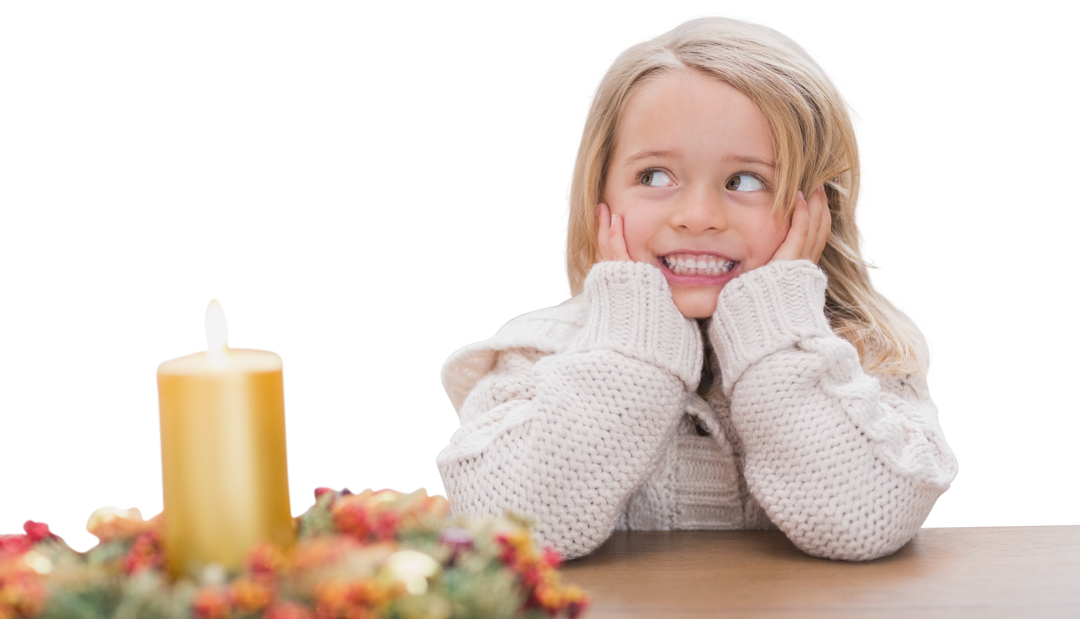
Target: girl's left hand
pixel 809 231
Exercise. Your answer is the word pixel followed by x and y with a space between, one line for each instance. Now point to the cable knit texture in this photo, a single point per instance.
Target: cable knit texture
pixel 584 417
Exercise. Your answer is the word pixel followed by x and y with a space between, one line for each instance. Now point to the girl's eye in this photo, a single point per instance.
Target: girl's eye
pixel 752 183
pixel 647 176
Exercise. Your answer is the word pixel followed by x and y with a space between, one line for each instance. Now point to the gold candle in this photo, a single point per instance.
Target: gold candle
pixel 222 453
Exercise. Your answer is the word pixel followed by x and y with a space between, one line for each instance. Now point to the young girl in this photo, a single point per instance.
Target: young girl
pixel 724 362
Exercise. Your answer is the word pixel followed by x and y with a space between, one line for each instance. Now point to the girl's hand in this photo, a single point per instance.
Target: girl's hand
pixel 810 228
pixel 611 242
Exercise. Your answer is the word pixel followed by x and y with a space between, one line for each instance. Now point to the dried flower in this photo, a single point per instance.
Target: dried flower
pixel 288 610
pixel 251 594
pixel 266 559
pixel 21 594
pixel 212 603
pixel 14 545
pixel 358 556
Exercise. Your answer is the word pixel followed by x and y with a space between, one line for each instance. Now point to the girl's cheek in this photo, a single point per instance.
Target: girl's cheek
pixel 781 231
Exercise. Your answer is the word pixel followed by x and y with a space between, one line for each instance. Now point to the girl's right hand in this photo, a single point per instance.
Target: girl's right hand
pixel 612 244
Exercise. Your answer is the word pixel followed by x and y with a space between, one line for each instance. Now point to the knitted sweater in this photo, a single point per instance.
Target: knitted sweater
pixel 585 417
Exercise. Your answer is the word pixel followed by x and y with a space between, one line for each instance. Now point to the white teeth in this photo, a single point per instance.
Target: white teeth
pixel 698 265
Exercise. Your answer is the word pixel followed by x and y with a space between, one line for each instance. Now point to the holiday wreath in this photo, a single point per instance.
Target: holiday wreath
pixel 358 556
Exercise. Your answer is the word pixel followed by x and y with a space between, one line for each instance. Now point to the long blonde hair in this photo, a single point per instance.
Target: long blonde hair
pixel 814 142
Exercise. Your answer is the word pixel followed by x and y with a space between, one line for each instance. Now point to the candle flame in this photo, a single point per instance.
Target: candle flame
pixel 217 334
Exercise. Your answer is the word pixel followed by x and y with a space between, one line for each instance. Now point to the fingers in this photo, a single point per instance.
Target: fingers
pixel 820 232
pixel 813 207
pixel 621 253
pixel 611 241
pixel 795 245
pixel 800 227
pixel 617 241
pixel 604 234
pixel 811 224
pixel 604 230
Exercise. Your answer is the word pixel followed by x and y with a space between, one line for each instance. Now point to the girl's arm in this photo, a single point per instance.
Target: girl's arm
pixel 846 464
pixel 566 438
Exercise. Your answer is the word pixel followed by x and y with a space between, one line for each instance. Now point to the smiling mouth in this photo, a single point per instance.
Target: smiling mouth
pixel 699 269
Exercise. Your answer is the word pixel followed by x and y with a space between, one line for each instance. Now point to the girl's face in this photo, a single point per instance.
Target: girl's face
pixel 692 175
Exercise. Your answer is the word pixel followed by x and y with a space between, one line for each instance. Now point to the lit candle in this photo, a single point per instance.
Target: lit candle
pixel 222 453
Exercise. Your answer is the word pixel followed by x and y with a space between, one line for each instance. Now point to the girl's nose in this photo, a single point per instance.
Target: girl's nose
pixel 700 214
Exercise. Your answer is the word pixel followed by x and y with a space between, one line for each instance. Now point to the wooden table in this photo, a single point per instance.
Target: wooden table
pixel 989 573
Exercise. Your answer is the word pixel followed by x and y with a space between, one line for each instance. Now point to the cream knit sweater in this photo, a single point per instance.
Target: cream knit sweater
pixel 585 417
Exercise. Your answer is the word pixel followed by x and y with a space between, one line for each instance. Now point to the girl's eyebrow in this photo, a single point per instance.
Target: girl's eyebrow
pixel 650 154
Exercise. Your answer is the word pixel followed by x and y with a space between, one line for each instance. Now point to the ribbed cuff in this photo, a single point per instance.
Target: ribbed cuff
pixel 631 312
pixel 768 309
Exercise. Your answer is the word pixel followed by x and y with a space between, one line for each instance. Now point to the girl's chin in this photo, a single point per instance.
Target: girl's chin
pixel 695 301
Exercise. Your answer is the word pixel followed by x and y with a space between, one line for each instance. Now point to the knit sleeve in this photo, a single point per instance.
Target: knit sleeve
pixel 566 438
pixel 846 464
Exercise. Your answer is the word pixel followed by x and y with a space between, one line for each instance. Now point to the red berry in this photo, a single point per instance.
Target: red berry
pixel 37 531
pixel 320 489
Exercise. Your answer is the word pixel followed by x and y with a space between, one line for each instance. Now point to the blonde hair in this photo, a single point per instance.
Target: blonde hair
pixel 814 142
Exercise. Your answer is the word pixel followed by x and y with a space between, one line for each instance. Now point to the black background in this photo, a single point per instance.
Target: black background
pixel 352 188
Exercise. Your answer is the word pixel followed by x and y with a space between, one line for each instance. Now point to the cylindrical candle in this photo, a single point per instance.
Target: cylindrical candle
pixel 222 453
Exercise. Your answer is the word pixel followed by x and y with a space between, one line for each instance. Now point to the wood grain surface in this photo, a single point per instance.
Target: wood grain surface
pixel 989 573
